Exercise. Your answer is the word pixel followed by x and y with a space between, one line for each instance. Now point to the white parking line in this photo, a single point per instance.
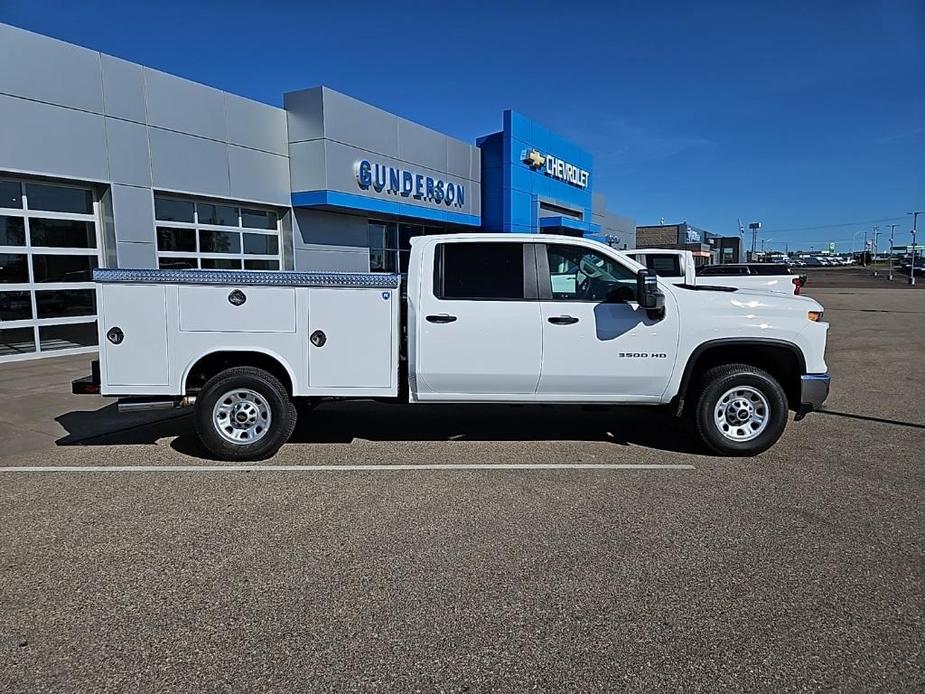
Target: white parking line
pixel 336 468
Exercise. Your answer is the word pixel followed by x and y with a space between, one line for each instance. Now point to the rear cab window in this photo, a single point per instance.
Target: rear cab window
pixel 668 265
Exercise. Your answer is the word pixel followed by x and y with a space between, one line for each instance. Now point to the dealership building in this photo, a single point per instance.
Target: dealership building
pixel 707 247
pixel 106 163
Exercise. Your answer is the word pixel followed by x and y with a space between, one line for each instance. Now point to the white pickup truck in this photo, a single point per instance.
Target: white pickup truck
pixel 489 318
pixel 678 267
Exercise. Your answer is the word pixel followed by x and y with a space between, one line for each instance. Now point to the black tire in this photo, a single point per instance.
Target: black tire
pixel 282 419
pixel 715 384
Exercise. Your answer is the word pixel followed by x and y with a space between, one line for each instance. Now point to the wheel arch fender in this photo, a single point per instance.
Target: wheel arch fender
pixel 215 360
pixel 755 351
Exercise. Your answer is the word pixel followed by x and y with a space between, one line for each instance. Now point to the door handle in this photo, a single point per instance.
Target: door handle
pixel 441 318
pixel 562 320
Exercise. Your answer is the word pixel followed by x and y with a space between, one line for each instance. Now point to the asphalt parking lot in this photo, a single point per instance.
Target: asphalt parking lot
pixel 799 570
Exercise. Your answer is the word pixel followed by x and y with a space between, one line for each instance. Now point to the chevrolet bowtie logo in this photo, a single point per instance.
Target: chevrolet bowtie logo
pixel 533 158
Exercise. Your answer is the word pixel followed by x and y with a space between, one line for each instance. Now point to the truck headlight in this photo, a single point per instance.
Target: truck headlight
pixel 814 316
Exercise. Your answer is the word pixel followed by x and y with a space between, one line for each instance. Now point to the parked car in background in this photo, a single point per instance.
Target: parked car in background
pixel 775 277
pixel 905 265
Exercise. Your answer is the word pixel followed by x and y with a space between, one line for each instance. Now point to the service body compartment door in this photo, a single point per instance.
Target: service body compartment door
pixel 237 309
pixel 138 315
pixel 351 339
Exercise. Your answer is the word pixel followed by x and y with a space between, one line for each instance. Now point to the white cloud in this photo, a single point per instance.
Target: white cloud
pixel 615 140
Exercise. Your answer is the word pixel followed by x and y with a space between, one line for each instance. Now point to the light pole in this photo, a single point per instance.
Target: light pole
pixel 754 226
pixel 854 243
pixel 892 232
pixel 915 214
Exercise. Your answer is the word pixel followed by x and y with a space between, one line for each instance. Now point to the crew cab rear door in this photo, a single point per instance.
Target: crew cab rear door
pixel 598 343
pixel 476 322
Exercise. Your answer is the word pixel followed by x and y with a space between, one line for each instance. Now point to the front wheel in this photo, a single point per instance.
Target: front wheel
pixel 244 413
pixel 741 410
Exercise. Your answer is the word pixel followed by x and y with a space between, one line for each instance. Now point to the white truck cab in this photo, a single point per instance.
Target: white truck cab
pixel 490 318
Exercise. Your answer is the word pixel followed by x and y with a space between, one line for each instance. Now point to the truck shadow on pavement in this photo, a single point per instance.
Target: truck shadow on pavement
pixel 868 418
pixel 346 422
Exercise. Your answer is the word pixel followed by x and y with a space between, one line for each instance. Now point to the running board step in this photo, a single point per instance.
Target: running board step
pixel 144 404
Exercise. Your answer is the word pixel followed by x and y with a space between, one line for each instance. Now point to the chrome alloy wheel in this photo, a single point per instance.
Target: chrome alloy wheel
pixel 742 413
pixel 241 416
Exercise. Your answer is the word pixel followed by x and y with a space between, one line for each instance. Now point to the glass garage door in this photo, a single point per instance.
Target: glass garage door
pixel 390 244
pixel 215 235
pixel 48 249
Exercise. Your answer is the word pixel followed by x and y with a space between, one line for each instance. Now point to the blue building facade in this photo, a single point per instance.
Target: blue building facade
pixel 535 180
pixel 349 158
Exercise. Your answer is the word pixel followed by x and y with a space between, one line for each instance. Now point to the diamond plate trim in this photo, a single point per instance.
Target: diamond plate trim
pixel 372 280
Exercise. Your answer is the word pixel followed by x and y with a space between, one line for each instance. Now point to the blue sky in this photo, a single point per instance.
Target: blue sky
pixel 798 114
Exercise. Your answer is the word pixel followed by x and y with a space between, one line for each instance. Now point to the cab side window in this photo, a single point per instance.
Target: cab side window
pixel 723 270
pixel 577 273
pixel 769 269
pixel 491 271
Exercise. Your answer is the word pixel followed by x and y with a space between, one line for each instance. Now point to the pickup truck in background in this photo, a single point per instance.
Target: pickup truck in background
pixel 678 267
pixel 488 318
pixel 771 277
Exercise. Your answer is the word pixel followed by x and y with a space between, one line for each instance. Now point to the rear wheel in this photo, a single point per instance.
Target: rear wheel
pixel 741 410
pixel 244 413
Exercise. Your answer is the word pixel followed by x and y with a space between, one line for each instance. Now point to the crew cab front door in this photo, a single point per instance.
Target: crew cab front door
pixel 597 341
pixel 477 322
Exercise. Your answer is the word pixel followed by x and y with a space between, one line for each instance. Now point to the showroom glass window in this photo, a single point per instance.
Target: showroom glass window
pixel 215 235
pixel 390 244
pixel 48 250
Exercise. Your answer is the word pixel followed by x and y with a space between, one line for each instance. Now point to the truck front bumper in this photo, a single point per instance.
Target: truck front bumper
pixel 814 389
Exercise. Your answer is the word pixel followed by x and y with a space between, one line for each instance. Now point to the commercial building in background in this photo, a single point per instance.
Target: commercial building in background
pixel 707 247
pixel 106 163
